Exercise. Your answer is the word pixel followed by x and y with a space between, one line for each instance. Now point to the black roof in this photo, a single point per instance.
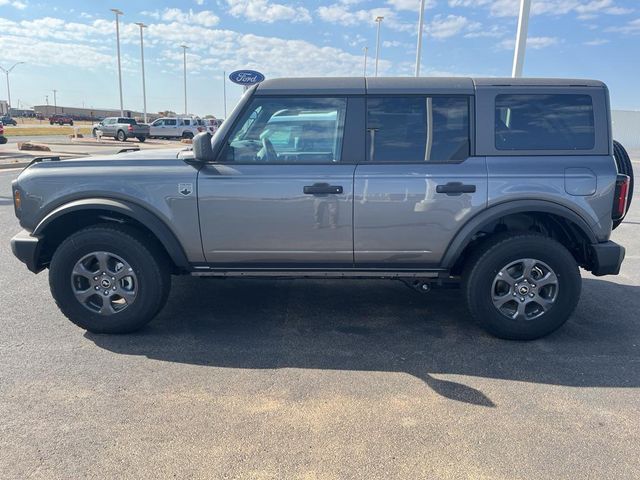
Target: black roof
pixel 403 85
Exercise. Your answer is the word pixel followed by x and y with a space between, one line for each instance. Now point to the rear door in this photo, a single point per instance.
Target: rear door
pixel 421 181
pixel 281 193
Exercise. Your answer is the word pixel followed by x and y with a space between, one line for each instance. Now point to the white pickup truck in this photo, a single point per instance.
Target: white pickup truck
pixel 176 127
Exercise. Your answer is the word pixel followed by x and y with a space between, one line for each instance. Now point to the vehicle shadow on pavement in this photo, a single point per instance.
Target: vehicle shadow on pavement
pixel 383 326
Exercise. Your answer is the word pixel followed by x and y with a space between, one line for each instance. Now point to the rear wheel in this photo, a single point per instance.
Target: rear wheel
pixel 187 135
pixel 121 136
pixel 522 286
pixel 105 280
pixel 141 139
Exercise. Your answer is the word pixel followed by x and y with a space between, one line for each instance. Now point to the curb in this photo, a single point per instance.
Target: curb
pixel 8 166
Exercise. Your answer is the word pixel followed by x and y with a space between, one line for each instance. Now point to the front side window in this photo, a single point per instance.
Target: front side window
pixel 170 122
pixel 289 130
pixel 544 122
pixel 158 123
pixel 418 129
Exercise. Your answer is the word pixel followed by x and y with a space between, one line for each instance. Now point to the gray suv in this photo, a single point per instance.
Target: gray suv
pixel 502 187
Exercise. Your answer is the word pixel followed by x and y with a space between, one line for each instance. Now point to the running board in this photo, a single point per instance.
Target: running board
pixel 321 273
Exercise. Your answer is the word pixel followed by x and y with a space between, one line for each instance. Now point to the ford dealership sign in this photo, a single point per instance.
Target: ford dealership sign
pixel 246 77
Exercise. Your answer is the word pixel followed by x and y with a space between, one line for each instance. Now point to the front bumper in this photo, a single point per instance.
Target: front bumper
pixel 27 249
pixel 606 258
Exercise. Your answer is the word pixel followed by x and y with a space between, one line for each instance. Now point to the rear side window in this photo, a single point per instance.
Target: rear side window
pixel 418 129
pixel 128 121
pixel 544 122
pixel 171 122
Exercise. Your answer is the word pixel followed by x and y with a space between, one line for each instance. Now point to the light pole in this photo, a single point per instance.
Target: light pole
pixel 420 32
pixel 7 72
pixel 379 22
pixel 184 61
pixel 55 102
pixel 521 38
pixel 366 52
pixel 118 13
pixel 144 87
pixel 224 92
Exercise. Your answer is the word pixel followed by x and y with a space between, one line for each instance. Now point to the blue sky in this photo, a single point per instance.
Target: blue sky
pixel 70 45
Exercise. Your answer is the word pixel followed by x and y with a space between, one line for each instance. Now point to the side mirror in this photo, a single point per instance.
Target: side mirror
pixel 202 148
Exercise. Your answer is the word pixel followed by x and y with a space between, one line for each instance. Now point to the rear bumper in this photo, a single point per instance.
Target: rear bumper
pixel 27 249
pixel 606 258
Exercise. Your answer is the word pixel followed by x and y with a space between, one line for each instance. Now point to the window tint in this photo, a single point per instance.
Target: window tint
pixel 544 122
pixel 172 122
pixel 292 130
pixel 127 121
pixel 418 129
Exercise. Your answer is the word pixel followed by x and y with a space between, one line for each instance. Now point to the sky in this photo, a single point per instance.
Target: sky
pixel 70 45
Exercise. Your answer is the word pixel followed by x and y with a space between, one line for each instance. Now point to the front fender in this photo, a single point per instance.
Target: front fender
pixel 161 231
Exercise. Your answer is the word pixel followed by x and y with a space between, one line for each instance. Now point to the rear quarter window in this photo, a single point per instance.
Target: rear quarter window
pixel 544 122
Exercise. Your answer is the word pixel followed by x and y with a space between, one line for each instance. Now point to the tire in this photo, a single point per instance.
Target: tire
pixel 51 123
pixel 61 123
pixel 3 140
pixel 144 292
pixel 187 135
pixel 483 280
pixel 142 139
pixel 625 167
pixel 71 123
pixel 121 136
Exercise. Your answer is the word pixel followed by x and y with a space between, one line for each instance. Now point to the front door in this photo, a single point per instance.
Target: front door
pixel 281 194
pixel 420 183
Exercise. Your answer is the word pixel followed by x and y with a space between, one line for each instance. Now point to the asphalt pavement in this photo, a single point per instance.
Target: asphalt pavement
pixel 310 379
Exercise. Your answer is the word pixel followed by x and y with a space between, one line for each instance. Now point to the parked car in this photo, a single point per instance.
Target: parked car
pixel 3 139
pixel 503 187
pixel 60 119
pixel 212 124
pixel 7 120
pixel 176 127
pixel 122 128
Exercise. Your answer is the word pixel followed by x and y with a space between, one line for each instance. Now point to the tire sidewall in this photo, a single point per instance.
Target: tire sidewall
pixel 141 261
pixel 480 284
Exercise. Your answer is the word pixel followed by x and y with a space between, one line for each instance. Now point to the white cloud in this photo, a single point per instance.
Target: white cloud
pixel 584 9
pixel 15 4
pixel 597 42
pixel 340 13
pixel 444 27
pixel 206 18
pixel 535 43
pixel 267 11
pixel 632 28
pixel 410 5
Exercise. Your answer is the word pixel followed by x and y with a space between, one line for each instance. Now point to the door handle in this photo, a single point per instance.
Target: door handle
pixel 455 188
pixel 322 188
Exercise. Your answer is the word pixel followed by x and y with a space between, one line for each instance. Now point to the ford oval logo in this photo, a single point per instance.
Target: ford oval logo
pixel 246 77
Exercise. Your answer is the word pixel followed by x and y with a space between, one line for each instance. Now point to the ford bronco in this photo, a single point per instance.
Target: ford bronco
pixel 503 187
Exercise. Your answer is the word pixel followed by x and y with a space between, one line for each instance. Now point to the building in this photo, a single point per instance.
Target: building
pixel 84 113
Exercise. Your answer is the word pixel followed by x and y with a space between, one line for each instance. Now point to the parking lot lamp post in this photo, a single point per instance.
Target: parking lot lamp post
pixel 366 52
pixel 118 13
pixel 379 22
pixel 55 102
pixel 420 33
pixel 521 38
pixel 144 87
pixel 184 61
pixel 7 72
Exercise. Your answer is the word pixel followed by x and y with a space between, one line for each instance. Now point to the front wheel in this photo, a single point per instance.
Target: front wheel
pixel 105 280
pixel 522 286
pixel 142 139
pixel 121 136
pixel 187 135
